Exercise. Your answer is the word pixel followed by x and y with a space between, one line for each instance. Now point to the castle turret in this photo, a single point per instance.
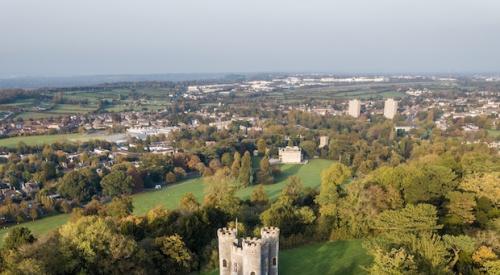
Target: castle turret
pixel 227 239
pixel 252 256
pixel 270 237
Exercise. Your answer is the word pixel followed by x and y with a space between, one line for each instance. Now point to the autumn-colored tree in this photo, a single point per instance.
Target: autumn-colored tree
pixel 117 183
pixel 220 192
pixel 331 179
pixel 309 147
pixel 193 162
pixel 291 219
pixel 265 173
pixel 226 159
pixel 170 178
pixel 393 262
pixel 245 174
pixel 189 203
pixel 18 236
pixel 484 185
pixel 177 257
pixel 120 207
pixel 261 146
pixel 259 195
pixel 460 208
pixel 293 189
pixel 235 167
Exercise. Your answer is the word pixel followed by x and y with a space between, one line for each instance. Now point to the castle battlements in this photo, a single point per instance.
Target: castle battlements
pixel 248 256
pixel 226 232
pixel 269 232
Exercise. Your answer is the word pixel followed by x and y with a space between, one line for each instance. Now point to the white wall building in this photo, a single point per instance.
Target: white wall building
pixel 323 141
pixel 290 154
pixel 354 108
pixel 390 108
pixel 143 132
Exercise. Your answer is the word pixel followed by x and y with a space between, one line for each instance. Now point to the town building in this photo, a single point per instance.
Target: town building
pixel 290 154
pixel 390 108
pixel 249 256
pixel 354 108
pixel 323 141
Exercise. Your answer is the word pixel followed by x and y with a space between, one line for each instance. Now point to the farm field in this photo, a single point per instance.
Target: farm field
pixel 44 139
pixel 330 258
pixel 494 133
pixel 169 197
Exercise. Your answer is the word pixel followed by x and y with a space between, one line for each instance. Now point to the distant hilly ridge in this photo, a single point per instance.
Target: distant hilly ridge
pixel 87 80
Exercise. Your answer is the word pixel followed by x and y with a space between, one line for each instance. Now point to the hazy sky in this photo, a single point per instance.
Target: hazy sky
pixel 72 37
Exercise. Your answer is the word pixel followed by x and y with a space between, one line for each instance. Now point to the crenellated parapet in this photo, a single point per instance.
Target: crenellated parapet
pixel 252 246
pixel 226 233
pixel 270 233
pixel 249 255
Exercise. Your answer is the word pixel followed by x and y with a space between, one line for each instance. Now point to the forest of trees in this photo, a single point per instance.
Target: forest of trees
pixel 434 212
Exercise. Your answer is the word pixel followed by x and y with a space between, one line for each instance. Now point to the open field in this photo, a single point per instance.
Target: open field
pixel 40 227
pixel 44 139
pixel 329 258
pixel 339 257
pixel 338 91
pixel 73 109
pixel 169 197
pixel 494 133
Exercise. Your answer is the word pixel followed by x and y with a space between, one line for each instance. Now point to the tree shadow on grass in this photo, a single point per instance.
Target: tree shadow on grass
pixel 287 172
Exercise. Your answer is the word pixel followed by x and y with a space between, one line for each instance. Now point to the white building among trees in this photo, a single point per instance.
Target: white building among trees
pixel 354 108
pixel 290 154
pixel 390 108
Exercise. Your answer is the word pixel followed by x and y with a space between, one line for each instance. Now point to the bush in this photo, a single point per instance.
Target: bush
pixel 170 178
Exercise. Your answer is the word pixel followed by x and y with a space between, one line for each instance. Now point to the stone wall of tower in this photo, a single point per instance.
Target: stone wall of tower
pixel 252 255
pixel 236 260
pixel 226 238
pixel 271 237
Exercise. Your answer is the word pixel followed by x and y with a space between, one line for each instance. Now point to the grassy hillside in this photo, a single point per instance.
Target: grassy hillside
pixel 330 258
pixel 169 197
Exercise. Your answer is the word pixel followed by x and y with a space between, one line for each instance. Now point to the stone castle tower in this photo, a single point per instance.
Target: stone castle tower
pixel 249 256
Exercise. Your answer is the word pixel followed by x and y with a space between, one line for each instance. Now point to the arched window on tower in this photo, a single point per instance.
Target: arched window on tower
pixel 252 273
pixel 235 267
pixel 274 261
pixel 224 263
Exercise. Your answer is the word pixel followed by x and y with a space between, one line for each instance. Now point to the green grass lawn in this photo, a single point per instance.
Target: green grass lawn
pixel 329 258
pixel 494 133
pixel 40 227
pixel 73 109
pixel 43 139
pixel 339 257
pixel 36 115
pixel 169 197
